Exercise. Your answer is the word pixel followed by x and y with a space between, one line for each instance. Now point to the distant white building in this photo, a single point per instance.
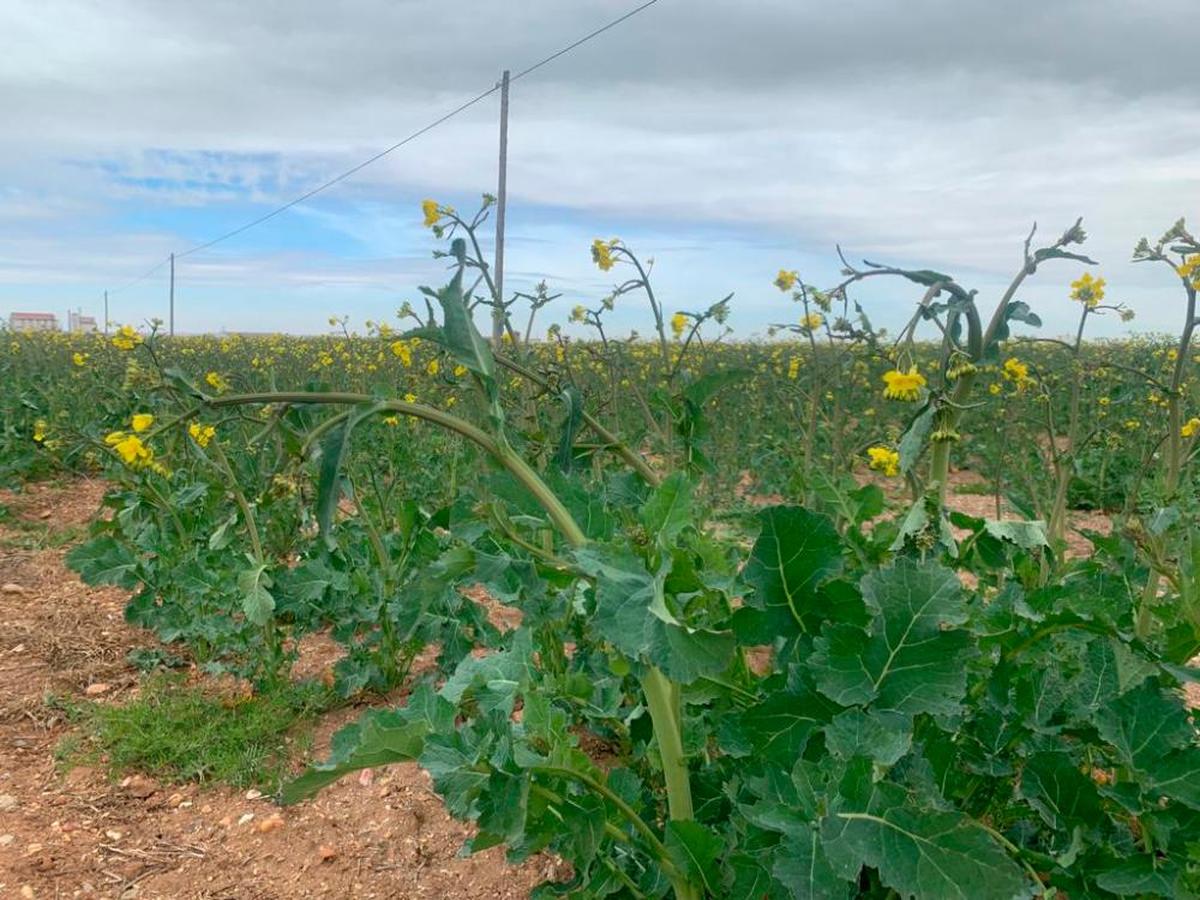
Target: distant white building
pixel 33 321
pixel 81 324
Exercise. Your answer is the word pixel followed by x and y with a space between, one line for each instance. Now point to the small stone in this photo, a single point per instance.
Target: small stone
pixel 253 794
pixel 11 587
pixel 31 849
pixel 113 835
pixel 27 891
pixel 327 853
pixel 139 786
pixel 95 690
pixel 226 822
pixel 7 839
pixel 8 803
pixel 271 823
pixel 175 800
pixel 246 818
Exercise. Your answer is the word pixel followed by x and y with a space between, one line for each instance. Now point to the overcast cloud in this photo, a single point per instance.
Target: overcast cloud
pixel 726 139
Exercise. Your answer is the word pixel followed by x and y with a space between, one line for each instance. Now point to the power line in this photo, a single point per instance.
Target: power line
pixel 140 278
pixel 462 107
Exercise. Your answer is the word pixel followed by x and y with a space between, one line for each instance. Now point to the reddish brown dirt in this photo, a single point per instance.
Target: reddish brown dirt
pixel 383 834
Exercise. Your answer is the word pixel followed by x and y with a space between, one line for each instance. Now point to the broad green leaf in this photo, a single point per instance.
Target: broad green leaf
pixel 883 736
pixel 802 867
pixel 104 560
pixel 1063 796
pixel 632 614
pixel 795 553
pixel 1026 535
pixel 695 850
pixel 379 738
pixel 257 602
pixel 668 510
pixel 909 661
pixel 777 729
pixel 573 402
pixel 918 852
pixel 912 443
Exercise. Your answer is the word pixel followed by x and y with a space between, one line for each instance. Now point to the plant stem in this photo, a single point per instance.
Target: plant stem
pixel 662 699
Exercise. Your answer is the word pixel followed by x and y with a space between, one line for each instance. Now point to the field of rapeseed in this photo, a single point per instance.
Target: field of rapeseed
pixel 854 691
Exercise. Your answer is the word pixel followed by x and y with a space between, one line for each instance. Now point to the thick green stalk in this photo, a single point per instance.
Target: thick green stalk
pixel 662 699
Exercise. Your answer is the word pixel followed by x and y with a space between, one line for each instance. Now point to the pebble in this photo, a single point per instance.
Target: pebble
pixel 139 786
pixel 271 823
pixel 27 891
pixel 8 803
pixel 327 853
pixel 6 839
pixel 253 794
pixel 246 818
pixel 12 588
pixel 95 690
pixel 113 835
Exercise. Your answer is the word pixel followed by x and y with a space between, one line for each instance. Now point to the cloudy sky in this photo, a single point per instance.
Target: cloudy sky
pixel 724 139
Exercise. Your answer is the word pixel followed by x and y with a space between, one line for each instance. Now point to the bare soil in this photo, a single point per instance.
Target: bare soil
pixel 381 834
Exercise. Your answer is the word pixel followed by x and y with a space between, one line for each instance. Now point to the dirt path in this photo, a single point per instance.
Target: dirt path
pixel 382 835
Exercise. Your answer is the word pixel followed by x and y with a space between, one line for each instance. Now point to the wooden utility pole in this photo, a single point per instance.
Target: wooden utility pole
pixel 501 196
pixel 106 313
pixel 171 324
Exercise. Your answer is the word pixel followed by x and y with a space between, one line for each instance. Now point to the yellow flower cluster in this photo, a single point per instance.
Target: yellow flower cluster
pixel 80 359
pixel 202 434
pixel 141 422
pixel 432 213
pixel 216 382
pixel 678 323
pixel 602 253
pixel 793 368
pixel 126 338
pixel 812 321
pixel 1018 373
pixel 885 460
pixel 786 280
pixel 1190 270
pixel 1088 290
pixel 900 385
pixel 1190 427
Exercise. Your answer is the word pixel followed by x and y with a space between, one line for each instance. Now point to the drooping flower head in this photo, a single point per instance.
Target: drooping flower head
pixel 602 253
pixel 786 280
pixel 901 385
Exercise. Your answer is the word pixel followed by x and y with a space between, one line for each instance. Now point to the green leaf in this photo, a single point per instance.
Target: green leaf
pixel 379 738
pixel 329 480
pixel 573 401
pixel 795 553
pixel 104 560
pixel 918 852
pixel 884 736
pixel 1026 535
pixel 777 729
pixel 1062 795
pixel 802 867
pixel 913 440
pixel 632 614
pixel 908 661
pixel 668 510
pixel 695 850
pixel 257 602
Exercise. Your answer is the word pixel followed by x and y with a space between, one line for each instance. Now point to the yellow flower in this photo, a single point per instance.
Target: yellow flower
pixel 433 367
pixel 812 321
pixel 904 386
pixel 1190 427
pixel 202 434
pixel 578 314
pixel 460 371
pixel 39 431
pixel 1088 290
pixel 141 422
pixel 793 368
pixel 602 253
pixel 130 448
pixel 1190 270
pixel 402 350
pixel 786 280
pixel 216 382
pixel 678 323
pixel 126 338
pixel 884 460
pixel 432 214
pixel 410 398
pixel 391 421
pixel 80 359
